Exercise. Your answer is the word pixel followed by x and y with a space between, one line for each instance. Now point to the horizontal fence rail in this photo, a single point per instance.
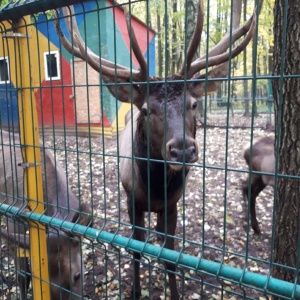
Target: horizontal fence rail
pixel 268 284
pixel 82 114
pixel 16 10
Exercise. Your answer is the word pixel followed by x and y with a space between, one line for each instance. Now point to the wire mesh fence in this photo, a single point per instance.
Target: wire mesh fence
pixel 142 196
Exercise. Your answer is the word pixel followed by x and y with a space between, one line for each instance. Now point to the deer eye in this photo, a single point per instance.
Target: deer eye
pixel 144 111
pixel 77 276
pixel 194 106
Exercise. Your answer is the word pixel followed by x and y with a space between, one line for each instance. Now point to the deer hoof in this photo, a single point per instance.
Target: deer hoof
pixel 256 229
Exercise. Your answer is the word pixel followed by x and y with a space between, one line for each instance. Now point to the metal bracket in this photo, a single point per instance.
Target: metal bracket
pixel 16 35
pixel 25 165
pixel 22 252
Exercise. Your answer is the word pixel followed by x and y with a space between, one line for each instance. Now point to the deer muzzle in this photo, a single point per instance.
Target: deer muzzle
pixel 181 151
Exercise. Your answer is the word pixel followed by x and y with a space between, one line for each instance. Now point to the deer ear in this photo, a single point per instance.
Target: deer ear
pixel 127 92
pixel 83 216
pixel 197 89
pixel 61 241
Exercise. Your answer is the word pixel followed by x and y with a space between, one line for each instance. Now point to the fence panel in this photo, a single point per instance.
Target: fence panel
pixel 116 172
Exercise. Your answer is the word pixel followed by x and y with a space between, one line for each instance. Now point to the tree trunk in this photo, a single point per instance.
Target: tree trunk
pixel 174 39
pixel 286 92
pixel 166 53
pixel 159 44
pixel 192 10
pixel 246 94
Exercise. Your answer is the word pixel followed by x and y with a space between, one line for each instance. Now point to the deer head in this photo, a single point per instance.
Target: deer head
pixel 113 73
pixel 165 100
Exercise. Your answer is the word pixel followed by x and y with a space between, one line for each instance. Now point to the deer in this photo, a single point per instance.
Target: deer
pixel 66 271
pixel 157 145
pixel 262 160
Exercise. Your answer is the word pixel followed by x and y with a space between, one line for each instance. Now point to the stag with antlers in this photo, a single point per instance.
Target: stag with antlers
pixel 158 144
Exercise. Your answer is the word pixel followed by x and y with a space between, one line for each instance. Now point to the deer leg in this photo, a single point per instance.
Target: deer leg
pixel 257 186
pixel 171 226
pixel 137 219
pixel 245 189
pixel 160 227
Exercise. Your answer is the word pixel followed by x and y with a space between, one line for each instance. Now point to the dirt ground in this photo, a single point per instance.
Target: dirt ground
pixel 212 218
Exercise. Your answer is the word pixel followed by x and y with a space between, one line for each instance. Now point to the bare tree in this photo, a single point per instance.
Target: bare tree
pixel 191 17
pixel 246 88
pixel 191 8
pixel 159 43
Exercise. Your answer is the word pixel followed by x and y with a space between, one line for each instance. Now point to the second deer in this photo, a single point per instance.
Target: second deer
pixel 262 160
pixel 66 270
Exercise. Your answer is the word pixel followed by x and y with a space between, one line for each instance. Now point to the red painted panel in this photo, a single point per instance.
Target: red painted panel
pixel 141 31
pixel 55 104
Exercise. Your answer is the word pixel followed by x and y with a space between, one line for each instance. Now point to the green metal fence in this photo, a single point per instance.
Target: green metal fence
pixel 216 253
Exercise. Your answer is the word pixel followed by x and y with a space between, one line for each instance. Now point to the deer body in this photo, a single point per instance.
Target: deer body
pixel 263 160
pixel 173 149
pixel 64 252
pixel 158 142
pixel 153 177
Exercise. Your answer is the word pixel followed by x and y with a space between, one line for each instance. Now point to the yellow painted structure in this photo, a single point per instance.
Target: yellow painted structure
pixel 22 45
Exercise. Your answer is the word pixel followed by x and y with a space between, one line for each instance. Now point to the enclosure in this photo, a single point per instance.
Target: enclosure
pixel 59 101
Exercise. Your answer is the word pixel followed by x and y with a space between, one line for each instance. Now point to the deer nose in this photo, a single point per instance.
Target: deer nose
pixel 178 153
pixel 77 276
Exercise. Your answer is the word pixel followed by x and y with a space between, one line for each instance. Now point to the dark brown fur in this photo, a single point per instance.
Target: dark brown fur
pixel 172 139
pixel 64 252
pixel 263 160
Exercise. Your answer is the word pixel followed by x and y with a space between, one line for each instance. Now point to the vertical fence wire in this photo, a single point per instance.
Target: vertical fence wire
pixel 91 163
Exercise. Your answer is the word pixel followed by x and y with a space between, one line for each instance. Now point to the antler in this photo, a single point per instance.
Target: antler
pixel 107 68
pixel 112 72
pixel 196 39
pixel 216 56
pixel 136 48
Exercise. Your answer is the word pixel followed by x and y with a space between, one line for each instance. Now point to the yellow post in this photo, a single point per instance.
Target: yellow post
pixel 25 45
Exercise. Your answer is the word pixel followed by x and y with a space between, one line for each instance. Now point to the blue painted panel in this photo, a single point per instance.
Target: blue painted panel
pixel 46 26
pixel 151 64
pixel 9 106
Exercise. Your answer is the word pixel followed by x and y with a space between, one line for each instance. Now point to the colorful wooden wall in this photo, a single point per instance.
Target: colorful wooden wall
pixel 75 98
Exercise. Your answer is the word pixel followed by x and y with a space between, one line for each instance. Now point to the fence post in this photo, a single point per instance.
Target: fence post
pixel 25 45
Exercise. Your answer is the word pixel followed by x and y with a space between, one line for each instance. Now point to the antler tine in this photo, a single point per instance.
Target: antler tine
pixel 85 53
pixel 64 41
pixel 71 48
pixel 223 44
pixel 79 49
pixel 107 68
pixel 202 63
pixel 196 39
pixel 135 47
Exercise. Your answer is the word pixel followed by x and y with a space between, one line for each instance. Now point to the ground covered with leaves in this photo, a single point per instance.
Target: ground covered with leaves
pixel 212 218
